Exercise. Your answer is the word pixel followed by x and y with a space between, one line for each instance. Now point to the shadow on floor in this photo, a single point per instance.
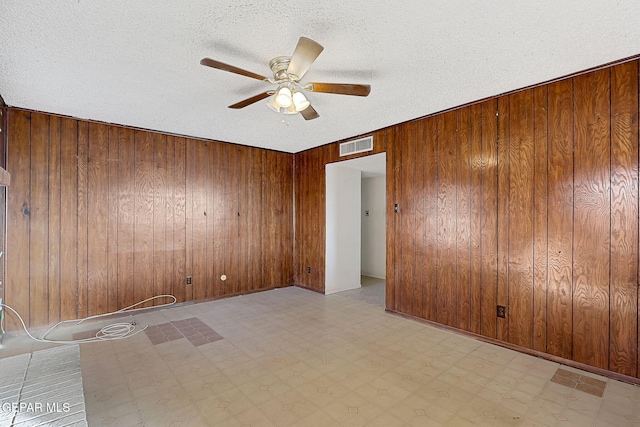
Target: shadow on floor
pixel 372 291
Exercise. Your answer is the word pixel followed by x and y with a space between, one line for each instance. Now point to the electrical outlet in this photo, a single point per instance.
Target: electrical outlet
pixel 188 280
pixel 501 311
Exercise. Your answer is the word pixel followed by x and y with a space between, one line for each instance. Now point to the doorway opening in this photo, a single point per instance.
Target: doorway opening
pixel 356 227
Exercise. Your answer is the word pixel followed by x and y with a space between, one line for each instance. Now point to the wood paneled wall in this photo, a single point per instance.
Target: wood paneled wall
pixel 528 200
pixel 102 216
pixel 310 210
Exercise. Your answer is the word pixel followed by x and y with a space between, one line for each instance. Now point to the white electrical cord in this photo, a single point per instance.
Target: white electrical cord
pixel 115 331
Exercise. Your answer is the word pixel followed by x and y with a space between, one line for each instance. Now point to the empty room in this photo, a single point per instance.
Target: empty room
pixel 236 213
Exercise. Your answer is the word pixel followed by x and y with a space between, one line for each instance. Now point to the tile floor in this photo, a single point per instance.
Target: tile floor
pixel 291 357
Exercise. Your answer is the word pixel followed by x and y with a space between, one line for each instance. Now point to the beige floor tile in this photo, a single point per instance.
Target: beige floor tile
pixel 607 416
pixel 280 413
pixel 295 358
pixel 382 393
pixel 552 414
pixel 317 419
pixel 253 417
pixel 323 391
pixel 416 411
pixel 484 412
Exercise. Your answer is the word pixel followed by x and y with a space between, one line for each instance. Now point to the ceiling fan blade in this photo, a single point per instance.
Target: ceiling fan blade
pixel 303 56
pixel 230 68
pixel 309 113
pixel 342 89
pixel 251 100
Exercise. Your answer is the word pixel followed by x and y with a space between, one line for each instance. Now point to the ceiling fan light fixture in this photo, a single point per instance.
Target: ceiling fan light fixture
pixel 300 101
pixel 283 97
pixel 291 109
pixel 271 103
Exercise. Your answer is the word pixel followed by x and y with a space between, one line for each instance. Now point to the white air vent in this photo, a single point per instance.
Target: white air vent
pixel 356 146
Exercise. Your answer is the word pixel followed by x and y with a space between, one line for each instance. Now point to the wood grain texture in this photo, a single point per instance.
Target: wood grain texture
pixel 218 212
pixel 97 208
pixel 18 211
pixel 199 218
pixel 521 216
pixel 430 160
pixel 243 222
pixel 161 214
pixel 299 224
pixel 126 217
pixel 82 152
pixel 179 247
pixel 395 180
pixel 446 232
pixel 391 224
pixel 118 216
pixel 54 194
pixel 463 219
pixel 540 177
pixel 420 221
pixel 591 212
pixel 318 216
pixel 475 277
pixel 264 226
pixel 253 220
pixel 143 210
pixel 504 220
pixel 189 193
pixel 171 255
pixel 322 158
pixel 270 215
pixel 4 125
pixel 39 224
pixel 112 218
pixel 407 217
pixel 214 242
pixel 285 222
pixel 560 219
pixel 68 219
pixel 489 220
pixel 623 355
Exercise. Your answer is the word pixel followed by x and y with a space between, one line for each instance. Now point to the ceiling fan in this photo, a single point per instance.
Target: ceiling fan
pixel 287 71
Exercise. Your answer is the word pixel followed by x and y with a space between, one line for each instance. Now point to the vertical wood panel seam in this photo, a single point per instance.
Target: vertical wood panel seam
pixel 152 172
pixel 533 223
pixel 482 219
pixel 573 209
pixel 29 221
pixel 470 230
pixel 437 209
pixel 60 221
pixel 611 130
pixel 117 192
pixel 48 165
pixel 508 249
pixel 457 219
pixel 77 251
pixel 133 219
pixel 546 308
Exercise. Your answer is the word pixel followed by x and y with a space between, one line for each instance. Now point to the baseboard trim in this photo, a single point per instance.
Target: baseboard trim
pixel 309 289
pixel 568 362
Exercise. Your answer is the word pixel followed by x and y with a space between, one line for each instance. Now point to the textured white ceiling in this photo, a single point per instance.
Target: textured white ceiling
pixel 137 62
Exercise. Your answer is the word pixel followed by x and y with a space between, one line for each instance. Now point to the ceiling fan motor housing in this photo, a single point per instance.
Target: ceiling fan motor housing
pixel 279 66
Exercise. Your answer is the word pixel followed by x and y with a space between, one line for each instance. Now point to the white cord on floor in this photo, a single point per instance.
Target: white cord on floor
pixel 115 331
